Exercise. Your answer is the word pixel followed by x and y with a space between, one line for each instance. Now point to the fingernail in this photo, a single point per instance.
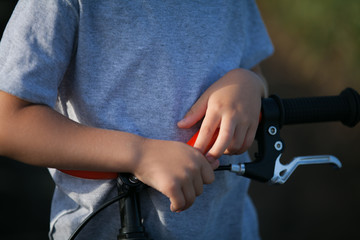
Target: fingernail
pixel 173 210
pixel 176 211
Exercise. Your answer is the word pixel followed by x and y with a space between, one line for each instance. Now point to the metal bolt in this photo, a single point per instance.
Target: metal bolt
pixel 278 145
pixel 133 179
pixel 272 130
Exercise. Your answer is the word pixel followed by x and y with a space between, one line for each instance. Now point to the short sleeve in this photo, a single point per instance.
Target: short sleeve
pixel 258 45
pixel 36 49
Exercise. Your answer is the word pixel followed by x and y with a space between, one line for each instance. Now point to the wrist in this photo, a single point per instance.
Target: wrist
pixel 255 78
pixel 139 148
pixel 265 88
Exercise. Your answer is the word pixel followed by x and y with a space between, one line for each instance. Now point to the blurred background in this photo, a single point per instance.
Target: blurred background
pixel 317 45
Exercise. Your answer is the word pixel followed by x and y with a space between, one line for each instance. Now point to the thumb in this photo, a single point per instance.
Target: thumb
pixel 195 114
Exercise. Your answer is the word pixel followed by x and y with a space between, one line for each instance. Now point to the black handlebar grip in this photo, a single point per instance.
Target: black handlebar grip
pixel 344 108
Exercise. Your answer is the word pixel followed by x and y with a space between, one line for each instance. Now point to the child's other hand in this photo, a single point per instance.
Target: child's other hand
pixel 175 169
pixel 232 105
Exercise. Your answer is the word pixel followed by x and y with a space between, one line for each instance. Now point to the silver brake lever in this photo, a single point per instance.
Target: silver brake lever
pixel 283 172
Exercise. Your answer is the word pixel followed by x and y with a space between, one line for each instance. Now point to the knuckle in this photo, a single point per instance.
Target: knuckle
pixel 234 113
pixel 227 133
pixel 170 188
pixel 246 121
pixel 191 170
pixel 216 106
pixel 196 167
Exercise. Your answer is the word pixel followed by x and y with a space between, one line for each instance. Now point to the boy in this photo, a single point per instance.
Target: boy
pixel 119 86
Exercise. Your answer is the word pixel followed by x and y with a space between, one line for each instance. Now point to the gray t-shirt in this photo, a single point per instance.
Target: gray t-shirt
pixel 134 66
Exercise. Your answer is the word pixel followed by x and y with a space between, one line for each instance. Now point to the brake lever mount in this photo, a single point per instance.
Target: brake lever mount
pixel 267 166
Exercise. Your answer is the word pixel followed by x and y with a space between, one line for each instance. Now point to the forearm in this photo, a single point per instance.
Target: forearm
pixel 37 135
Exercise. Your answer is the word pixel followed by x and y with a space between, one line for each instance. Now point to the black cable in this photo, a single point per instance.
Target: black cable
pixel 94 213
pixel 115 199
pixel 224 167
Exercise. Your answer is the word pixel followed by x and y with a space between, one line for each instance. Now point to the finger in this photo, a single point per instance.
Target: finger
pixel 189 194
pixel 207 174
pixel 177 198
pixel 215 164
pixel 249 139
pixel 198 185
pixel 226 133
pixel 195 114
pixel 242 143
pixel 208 128
pixel 237 142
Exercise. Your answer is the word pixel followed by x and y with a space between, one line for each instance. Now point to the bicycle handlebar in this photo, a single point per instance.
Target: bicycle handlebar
pixel 344 107
pixel 277 112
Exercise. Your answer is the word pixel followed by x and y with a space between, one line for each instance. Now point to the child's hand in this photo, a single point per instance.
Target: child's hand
pixel 232 105
pixel 175 169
